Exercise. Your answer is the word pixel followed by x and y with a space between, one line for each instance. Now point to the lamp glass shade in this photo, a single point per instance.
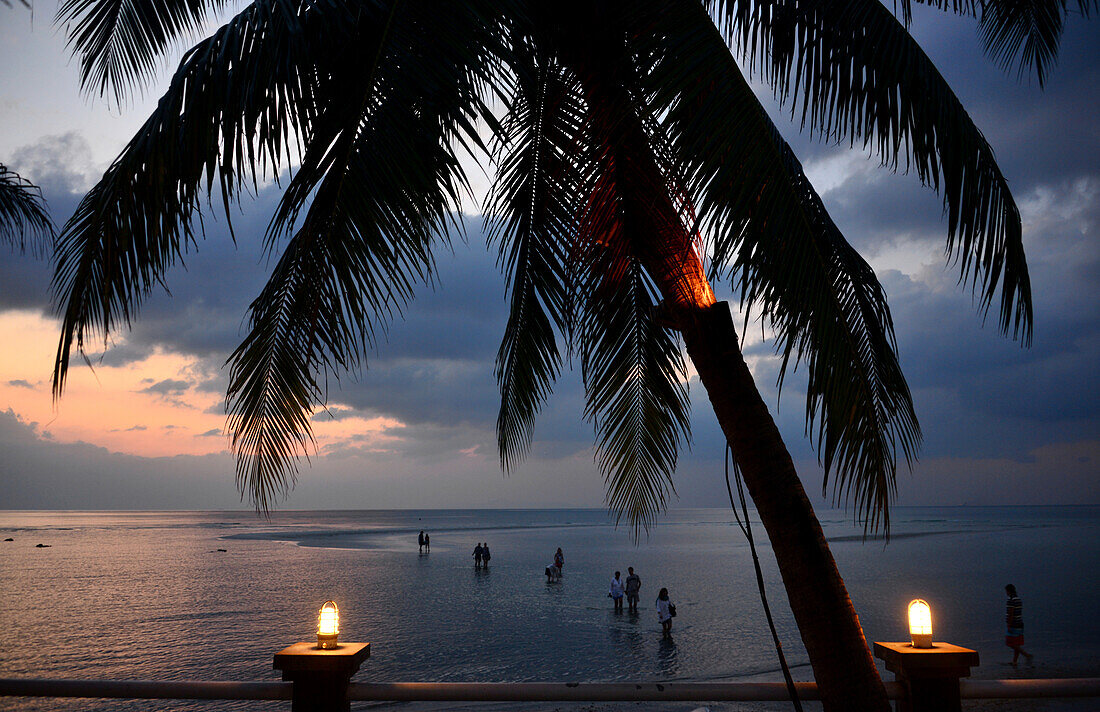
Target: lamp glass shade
pixel 920 623
pixel 328 626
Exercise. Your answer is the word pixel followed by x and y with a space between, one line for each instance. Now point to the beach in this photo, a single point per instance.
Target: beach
pixel 148 595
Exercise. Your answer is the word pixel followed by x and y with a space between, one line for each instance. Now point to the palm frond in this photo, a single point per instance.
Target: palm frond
pixel 231 113
pixel 119 42
pixel 1027 33
pixel 272 388
pixel 531 217
pixel 957 7
pixel 856 74
pixel 632 366
pixel 24 220
pixel 636 391
pixel 770 230
pixel 381 177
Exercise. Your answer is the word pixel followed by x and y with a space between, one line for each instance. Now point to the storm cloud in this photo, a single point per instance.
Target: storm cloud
pixel 1002 424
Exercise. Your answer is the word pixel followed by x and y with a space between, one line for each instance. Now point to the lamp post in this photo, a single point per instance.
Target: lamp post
pixel 920 623
pixel 929 671
pixel 328 626
pixel 321 672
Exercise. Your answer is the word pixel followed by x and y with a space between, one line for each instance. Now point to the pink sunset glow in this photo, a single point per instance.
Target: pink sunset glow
pixel 166 404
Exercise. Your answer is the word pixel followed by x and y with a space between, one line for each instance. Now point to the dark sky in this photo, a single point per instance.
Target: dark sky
pixel 1002 424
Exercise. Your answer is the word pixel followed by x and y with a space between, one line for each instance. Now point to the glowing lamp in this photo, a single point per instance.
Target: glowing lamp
pixel 328 626
pixel 920 623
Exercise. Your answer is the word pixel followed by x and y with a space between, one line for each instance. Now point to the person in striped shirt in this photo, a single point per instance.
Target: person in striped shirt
pixel 1014 625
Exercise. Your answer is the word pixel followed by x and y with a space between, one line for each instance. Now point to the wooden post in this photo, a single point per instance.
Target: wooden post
pixel 320 677
pixel 930 675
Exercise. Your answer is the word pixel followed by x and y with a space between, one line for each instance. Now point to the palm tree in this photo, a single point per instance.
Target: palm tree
pixel 629 148
pixel 24 220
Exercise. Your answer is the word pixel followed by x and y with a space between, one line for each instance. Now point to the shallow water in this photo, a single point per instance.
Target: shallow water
pixel 147 595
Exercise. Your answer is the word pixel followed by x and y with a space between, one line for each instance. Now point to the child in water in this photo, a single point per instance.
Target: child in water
pixel 665 611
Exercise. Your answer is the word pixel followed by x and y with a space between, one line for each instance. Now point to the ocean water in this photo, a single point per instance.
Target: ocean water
pixel 148 595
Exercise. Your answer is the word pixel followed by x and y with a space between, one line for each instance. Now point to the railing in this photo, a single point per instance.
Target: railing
pixel 1029 689
pixel 147 689
pixel 520 692
pixel 929 679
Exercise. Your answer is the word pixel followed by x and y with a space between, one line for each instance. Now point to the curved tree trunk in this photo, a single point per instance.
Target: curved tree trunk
pixel 842 664
pixel 843 667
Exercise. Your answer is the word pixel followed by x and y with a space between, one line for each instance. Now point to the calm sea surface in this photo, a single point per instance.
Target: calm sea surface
pixel 148 595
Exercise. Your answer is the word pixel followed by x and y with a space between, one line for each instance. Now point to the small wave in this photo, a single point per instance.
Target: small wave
pixel 375 538
pixel 313 537
pixel 197 616
pixel 941 532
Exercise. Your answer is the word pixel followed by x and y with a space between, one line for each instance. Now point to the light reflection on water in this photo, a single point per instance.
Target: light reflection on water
pixel 147 595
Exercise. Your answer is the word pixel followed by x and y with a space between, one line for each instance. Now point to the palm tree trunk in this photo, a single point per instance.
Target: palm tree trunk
pixel 843 667
pixel 842 664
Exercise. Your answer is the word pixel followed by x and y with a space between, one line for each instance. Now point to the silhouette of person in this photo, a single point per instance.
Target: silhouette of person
pixel 553 571
pixel 665 611
pixel 616 592
pixel 633 586
pixel 1014 625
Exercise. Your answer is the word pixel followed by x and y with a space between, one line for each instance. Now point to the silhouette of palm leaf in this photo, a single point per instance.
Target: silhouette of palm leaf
pixel 531 217
pixel 770 231
pixel 213 128
pixel 378 184
pixel 633 369
pixel 852 72
pixel 24 220
pixel 119 42
pixel 1025 33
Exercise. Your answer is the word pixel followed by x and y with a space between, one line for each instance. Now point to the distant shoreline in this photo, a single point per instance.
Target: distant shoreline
pixel 277 512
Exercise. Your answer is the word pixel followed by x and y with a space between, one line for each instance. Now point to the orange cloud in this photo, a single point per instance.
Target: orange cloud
pixel 151 407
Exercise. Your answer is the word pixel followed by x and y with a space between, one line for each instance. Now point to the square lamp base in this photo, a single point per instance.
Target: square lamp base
pixel 320 677
pixel 930 675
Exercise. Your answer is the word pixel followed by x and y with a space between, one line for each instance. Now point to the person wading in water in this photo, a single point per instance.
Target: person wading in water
pixel 1014 625
pixel 633 586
